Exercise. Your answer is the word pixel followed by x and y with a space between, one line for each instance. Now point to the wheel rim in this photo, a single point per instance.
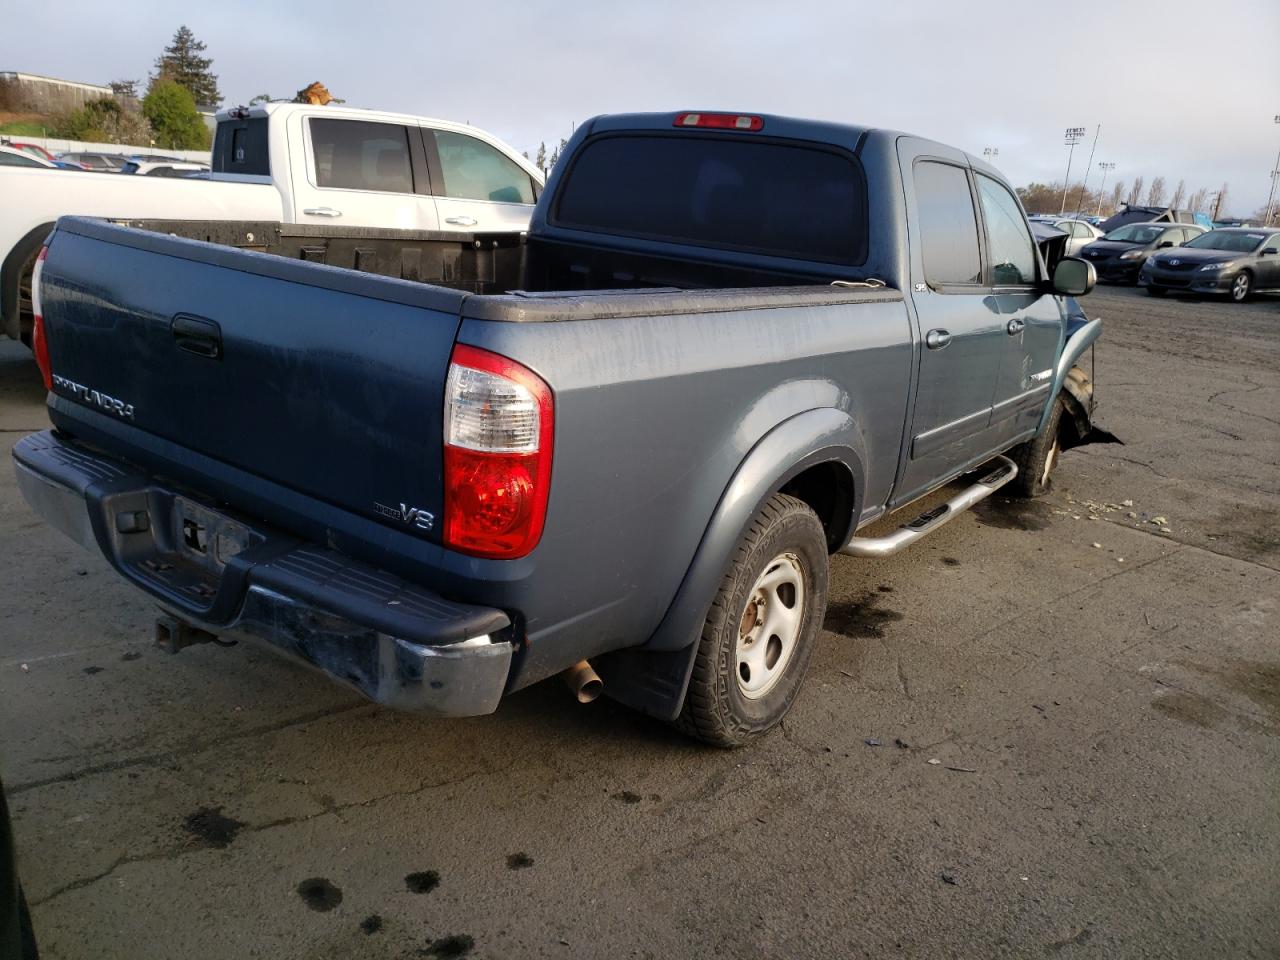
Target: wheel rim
pixel 769 628
pixel 1050 461
pixel 1240 288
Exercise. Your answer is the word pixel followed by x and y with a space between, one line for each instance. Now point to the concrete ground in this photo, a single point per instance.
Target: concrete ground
pixel 1096 675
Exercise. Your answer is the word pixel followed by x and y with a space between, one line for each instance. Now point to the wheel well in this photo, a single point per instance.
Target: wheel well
pixel 17 263
pixel 828 490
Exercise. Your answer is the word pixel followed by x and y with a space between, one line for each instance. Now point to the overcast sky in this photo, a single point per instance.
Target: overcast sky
pixel 1182 88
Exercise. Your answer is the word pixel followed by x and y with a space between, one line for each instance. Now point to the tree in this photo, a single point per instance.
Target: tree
pixel 182 63
pixel 1220 202
pixel 1197 201
pixel 260 98
pixel 1179 194
pixel 103 121
pixel 540 159
pixel 1117 195
pixel 1155 195
pixel 125 88
pixel 171 110
pixel 1135 192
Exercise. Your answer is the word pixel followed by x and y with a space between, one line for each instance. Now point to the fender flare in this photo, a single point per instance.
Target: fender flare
pixel 11 275
pixel 653 678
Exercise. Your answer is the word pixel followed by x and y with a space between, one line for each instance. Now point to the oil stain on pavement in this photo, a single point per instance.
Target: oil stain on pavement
pixel 422 882
pixel 458 945
pixel 859 618
pixel 1013 514
pixel 211 828
pixel 319 894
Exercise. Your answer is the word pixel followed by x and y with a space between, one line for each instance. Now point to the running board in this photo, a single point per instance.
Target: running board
pixel 1003 471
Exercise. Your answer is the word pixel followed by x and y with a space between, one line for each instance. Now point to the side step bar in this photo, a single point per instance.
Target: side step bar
pixel 1003 471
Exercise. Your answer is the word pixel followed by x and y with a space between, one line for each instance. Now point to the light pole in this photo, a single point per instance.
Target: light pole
pixel 1275 173
pixel 1106 168
pixel 1073 136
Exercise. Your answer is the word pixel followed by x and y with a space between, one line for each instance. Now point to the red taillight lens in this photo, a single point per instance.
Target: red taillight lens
pixel 39 341
pixel 498 428
pixel 719 121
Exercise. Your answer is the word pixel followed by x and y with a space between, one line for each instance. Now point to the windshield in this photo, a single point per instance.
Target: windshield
pixel 1135 233
pixel 1228 240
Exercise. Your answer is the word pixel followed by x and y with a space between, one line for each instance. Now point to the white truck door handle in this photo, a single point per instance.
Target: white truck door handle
pixel 322 212
pixel 462 221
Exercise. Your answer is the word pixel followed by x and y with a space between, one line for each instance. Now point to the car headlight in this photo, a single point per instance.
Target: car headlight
pixel 1215 266
pixel 1133 255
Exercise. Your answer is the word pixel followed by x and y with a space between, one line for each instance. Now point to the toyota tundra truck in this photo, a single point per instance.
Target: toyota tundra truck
pixel 728 344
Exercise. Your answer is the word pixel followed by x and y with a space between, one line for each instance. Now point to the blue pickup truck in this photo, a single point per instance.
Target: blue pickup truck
pixel 622 450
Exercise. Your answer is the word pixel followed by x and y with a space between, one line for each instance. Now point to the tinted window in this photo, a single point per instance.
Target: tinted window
pixel 723 192
pixel 359 155
pixel 240 146
pixel 17 160
pixel 948 226
pixel 473 170
pixel 1013 256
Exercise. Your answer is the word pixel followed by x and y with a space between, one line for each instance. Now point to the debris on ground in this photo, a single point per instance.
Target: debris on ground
pixel 949 878
pixel 901 744
pixel 25 668
pixel 872 742
pixel 933 760
pixel 1097 546
pixel 963 769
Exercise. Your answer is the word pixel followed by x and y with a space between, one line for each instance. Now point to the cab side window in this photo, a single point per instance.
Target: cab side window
pixel 1013 255
pixel 359 155
pixel 948 225
pixel 473 170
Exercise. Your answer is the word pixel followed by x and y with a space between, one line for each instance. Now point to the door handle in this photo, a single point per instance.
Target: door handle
pixel 322 212
pixel 462 221
pixel 197 335
pixel 1015 326
pixel 937 339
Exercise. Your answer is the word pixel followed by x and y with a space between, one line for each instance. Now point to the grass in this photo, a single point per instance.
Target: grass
pixel 24 128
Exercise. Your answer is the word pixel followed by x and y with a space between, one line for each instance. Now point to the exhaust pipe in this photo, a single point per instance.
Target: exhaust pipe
pixel 583 681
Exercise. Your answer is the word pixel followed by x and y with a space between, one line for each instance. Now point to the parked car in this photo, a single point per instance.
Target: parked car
pixel 289 163
pixel 733 341
pixel 1120 254
pixel 163 168
pixel 1135 214
pixel 34 149
pixel 92 160
pixel 13 157
pixel 1238 262
pixel 1078 232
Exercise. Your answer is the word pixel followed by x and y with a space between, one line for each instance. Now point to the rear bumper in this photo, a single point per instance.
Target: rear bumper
pixel 395 642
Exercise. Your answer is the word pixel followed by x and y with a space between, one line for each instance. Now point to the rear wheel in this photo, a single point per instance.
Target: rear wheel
pixel 1037 457
pixel 761 629
pixel 1241 286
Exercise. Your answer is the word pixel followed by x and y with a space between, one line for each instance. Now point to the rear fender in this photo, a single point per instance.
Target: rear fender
pixel 653 678
pixel 18 261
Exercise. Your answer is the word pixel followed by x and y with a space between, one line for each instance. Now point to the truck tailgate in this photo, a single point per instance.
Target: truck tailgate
pixel 325 381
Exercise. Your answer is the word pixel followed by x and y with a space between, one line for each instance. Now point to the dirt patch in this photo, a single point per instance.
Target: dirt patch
pixel 211 828
pixel 1009 514
pixel 371 925
pixel 422 882
pixel 319 894
pixel 859 618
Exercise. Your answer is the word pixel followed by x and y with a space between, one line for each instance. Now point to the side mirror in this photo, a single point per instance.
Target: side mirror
pixel 1166 243
pixel 1270 252
pixel 1074 277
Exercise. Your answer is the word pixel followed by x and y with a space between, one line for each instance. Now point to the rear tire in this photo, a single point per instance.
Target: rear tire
pixel 1037 458
pixel 1241 287
pixel 762 627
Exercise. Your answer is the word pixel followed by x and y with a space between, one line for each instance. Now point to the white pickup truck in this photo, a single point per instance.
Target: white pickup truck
pixel 285 163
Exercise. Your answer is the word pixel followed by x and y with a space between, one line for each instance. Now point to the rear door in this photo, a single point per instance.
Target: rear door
pixel 360 173
pixel 477 186
pixel 1031 321
pixel 962 329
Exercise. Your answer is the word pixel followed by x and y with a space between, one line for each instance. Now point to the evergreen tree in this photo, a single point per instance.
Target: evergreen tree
pixel 125 88
pixel 182 63
pixel 171 111
pixel 540 160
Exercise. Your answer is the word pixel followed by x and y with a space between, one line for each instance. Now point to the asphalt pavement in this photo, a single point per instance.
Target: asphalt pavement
pixel 1050 730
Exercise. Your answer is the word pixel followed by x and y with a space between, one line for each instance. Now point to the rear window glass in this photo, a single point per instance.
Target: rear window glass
pixel 727 192
pixel 359 155
pixel 948 225
pixel 240 146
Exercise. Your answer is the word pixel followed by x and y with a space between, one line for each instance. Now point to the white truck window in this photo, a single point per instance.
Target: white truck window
pixel 473 170
pixel 359 155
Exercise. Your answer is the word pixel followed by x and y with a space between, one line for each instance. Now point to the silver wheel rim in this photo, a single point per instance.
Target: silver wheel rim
pixel 769 627
pixel 1050 461
pixel 1240 288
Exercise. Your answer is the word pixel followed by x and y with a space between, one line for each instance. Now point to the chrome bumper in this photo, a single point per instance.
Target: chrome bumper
pixel 394 642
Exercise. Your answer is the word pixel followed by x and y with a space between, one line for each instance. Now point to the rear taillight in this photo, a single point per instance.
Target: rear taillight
pixel 719 121
pixel 498 421
pixel 39 341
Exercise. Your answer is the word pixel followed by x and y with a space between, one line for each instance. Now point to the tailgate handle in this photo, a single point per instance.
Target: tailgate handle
pixel 197 335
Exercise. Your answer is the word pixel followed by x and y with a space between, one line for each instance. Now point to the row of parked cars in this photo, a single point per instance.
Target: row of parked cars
pixel 33 155
pixel 1163 256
